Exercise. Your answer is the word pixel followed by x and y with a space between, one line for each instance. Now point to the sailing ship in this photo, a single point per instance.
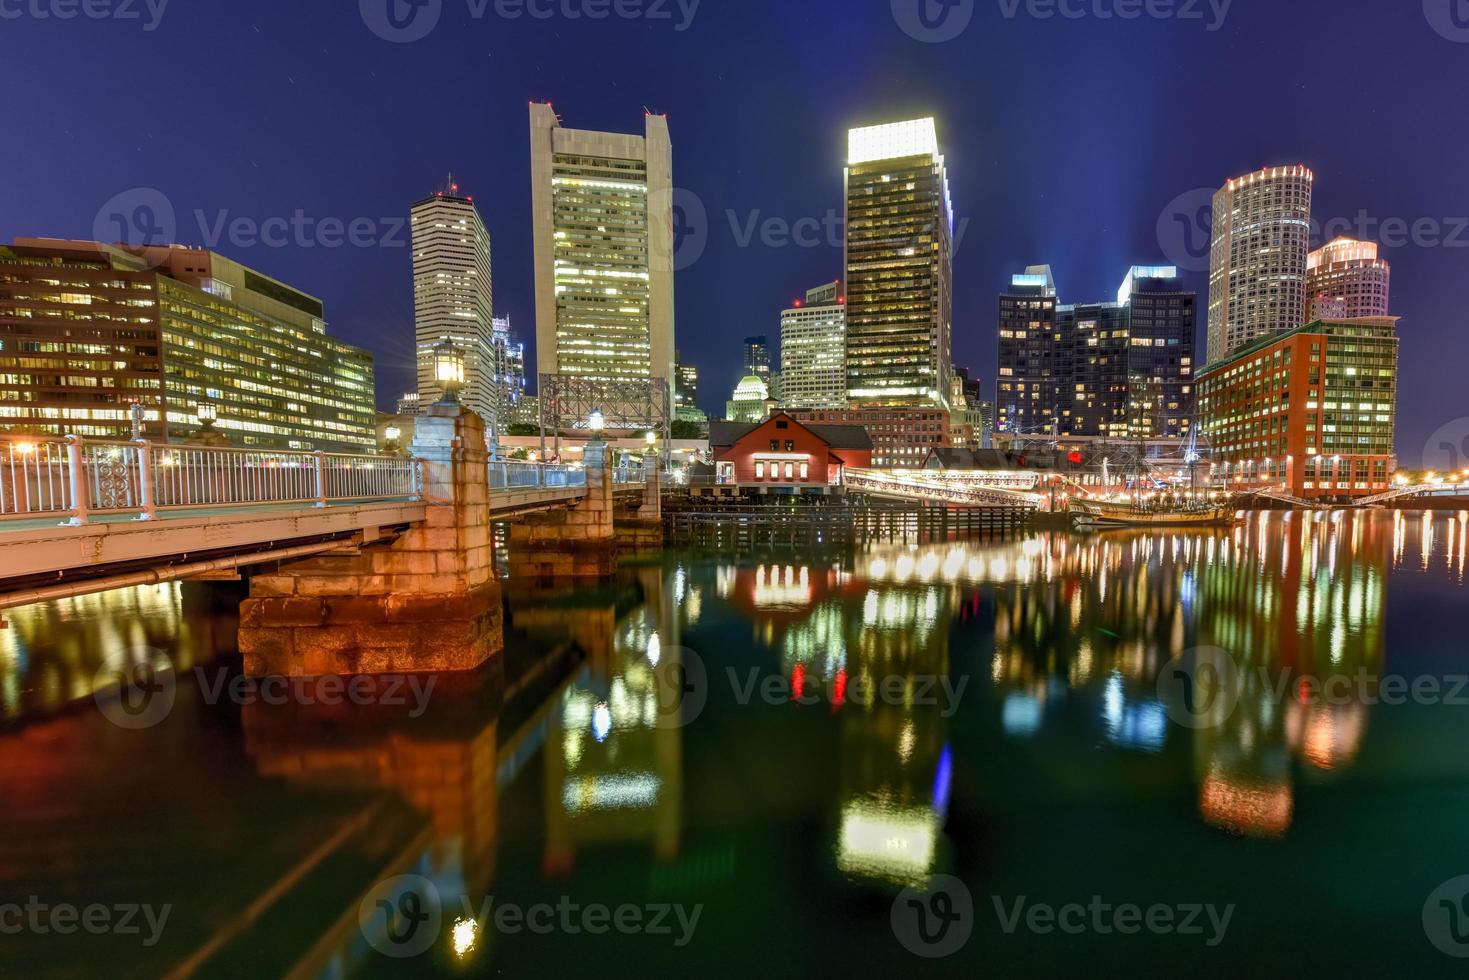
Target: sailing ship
pixel 1103 513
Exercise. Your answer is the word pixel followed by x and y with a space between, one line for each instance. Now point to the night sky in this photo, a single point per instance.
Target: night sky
pixel 1068 140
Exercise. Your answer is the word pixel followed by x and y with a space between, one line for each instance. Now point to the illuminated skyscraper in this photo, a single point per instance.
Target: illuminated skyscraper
pixel 453 296
pixel 757 357
pixel 602 217
pixel 1345 278
pixel 813 350
pixel 899 260
pixel 1119 370
pixel 1257 261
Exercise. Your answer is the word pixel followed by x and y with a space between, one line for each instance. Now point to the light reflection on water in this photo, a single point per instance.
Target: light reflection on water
pixel 1060 637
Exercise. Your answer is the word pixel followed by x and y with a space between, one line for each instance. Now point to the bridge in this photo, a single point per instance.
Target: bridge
pixel 76 510
pixel 1423 490
pixel 957 488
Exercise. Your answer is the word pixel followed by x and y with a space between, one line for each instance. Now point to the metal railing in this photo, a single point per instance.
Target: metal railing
pixel 536 476
pixel 77 479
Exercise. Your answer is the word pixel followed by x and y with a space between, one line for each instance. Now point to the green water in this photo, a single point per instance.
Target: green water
pixel 954 758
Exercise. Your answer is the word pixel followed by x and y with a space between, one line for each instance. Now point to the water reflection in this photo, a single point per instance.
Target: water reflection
pixel 1003 667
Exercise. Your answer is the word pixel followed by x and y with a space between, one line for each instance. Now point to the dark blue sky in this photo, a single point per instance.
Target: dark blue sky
pixel 1068 140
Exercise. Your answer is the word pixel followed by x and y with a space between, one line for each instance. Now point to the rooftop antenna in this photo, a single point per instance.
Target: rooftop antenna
pixel 448 187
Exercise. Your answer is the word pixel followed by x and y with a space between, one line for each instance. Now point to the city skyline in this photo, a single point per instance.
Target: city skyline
pixel 1016 204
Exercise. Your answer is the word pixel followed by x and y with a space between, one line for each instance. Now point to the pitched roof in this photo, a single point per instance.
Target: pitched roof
pixel 722 435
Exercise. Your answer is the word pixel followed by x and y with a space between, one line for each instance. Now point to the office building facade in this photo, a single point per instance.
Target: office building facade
pixel 813 350
pixel 899 262
pixel 1345 278
pixel 1312 410
pixel 88 330
pixel 602 214
pixel 1257 262
pixel 453 298
pixel 1115 370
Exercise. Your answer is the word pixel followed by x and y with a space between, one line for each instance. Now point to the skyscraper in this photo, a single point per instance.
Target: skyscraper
pixel 1162 320
pixel 813 350
pixel 1345 278
pixel 1116 370
pixel 1257 261
pixel 899 261
pixel 453 296
pixel 1026 398
pixel 757 357
pixel 602 214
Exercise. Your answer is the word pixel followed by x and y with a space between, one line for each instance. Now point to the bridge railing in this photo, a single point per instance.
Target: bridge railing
pixel 536 476
pixel 76 478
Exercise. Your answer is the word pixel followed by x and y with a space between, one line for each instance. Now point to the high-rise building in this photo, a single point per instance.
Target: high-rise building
pixel 88 330
pixel 1116 370
pixel 1091 370
pixel 1257 261
pixel 813 350
pixel 1026 396
pixel 686 387
pixel 1162 323
pixel 1311 410
pixel 757 357
pixel 507 380
pixel 1345 278
pixel 899 261
pixel 453 297
pixel 602 210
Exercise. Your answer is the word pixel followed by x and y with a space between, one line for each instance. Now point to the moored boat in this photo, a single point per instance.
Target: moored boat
pixel 1101 513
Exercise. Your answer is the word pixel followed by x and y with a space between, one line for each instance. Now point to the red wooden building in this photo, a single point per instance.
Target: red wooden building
pixel 783 452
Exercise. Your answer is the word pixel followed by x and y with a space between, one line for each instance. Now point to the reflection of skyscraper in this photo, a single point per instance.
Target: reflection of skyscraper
pixel 899 259
pixel 453 295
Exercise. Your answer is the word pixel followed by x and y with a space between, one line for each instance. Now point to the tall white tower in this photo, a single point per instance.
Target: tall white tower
pixel 453 297
pixel 1257 259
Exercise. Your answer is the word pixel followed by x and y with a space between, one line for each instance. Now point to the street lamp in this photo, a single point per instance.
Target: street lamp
pixel 652 439
pixel 207 414
pixel 391 435
pixel 449 371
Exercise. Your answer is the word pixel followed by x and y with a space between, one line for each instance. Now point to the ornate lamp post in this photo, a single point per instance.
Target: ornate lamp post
pixel 207 413
pixel 596 424
pixel 448 371
pixel 391 435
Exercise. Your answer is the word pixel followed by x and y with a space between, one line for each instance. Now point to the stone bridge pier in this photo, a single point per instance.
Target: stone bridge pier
pixel 426 601
pixel 577 542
